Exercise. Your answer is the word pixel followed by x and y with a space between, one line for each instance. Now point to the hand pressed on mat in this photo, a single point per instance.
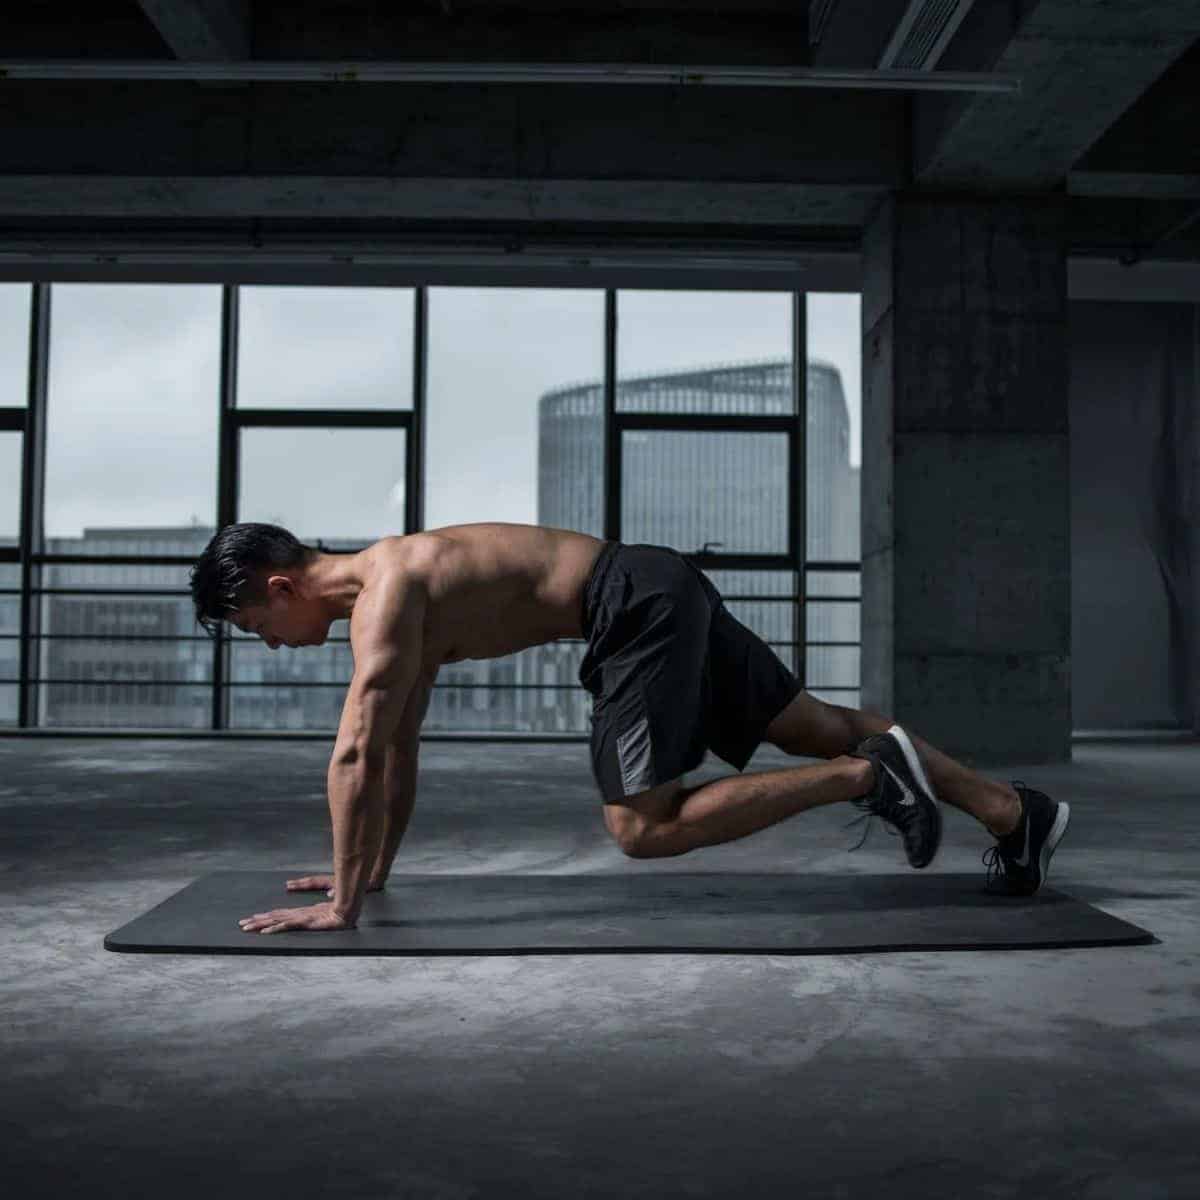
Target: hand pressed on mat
pixel 318 883
pixel 316 916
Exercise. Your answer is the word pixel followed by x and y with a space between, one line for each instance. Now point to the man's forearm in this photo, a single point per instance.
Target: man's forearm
pixel 400 790
pixel 357 804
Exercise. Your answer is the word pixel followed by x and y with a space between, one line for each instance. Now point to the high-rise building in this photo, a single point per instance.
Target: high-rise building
pixel 725 491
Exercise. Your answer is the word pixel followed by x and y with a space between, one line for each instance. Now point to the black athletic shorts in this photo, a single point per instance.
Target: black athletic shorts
pixel 671 672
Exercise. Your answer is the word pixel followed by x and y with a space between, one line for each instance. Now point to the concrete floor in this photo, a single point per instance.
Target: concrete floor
pixel 1035 1074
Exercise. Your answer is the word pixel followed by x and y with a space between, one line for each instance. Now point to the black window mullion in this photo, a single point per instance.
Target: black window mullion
pixel 228 451
pixel 323 418
pixel 414 502
pixel 798 472
pixel 33 488
pixel 612 431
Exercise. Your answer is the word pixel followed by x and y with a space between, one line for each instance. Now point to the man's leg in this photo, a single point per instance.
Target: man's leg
pixel 672 819
pixel 814 729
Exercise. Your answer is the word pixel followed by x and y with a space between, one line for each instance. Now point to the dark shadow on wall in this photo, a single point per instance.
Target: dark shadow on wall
pixel 1135 462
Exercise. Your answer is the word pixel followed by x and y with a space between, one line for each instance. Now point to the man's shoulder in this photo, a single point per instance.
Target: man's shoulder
pixel 406 554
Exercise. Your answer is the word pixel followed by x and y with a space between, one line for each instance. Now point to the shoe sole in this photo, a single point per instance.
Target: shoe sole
pixel 914 765
pixel 1061 819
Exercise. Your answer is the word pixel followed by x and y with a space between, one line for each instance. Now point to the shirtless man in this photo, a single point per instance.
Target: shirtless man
pixel 671 672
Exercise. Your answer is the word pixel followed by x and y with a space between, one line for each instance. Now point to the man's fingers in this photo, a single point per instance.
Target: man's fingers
pixel 310 883
pixel 252 924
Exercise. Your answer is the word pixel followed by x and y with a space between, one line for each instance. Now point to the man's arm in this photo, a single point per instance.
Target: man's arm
pixel 400 788
pixel 386 637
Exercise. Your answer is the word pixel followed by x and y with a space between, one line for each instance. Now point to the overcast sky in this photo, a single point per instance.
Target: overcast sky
pixel 134 378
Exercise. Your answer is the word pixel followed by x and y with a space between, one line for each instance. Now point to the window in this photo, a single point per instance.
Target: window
pixel 325 347
pixel 15 302
pixel 132 420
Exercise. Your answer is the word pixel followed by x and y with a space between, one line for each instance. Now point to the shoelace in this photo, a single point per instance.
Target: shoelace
pixel 997 864
pixel 866 819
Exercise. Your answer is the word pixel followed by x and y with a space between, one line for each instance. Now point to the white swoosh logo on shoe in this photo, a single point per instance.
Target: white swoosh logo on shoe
pixel 1025 861
pixel 908 797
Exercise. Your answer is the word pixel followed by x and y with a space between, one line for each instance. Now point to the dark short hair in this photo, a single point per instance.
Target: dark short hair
pixel 231 573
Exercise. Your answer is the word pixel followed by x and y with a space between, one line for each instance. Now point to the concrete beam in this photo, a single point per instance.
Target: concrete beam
pixel 1110 279
pixel 463 260
pixel 1133 185
pixel 1082 63
pixel 31 197
pixel 463 132
pixel 1157 135
pixel 202 30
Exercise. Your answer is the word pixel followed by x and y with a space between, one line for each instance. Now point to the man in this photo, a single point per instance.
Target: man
pixel 671 672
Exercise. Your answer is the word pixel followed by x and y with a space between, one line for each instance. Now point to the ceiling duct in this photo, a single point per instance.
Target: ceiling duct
pixel 923 34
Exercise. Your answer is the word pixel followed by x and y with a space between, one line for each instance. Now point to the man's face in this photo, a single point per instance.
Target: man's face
pixel 287 619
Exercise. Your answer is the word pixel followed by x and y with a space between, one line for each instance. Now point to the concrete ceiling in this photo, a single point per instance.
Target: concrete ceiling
pixel 1107 113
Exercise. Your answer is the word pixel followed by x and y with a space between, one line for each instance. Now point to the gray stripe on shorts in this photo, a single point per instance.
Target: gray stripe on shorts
pixel 633 753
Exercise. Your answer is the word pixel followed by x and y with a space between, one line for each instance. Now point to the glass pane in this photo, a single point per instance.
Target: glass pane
pixel 491 708
pixel 149 705
pixel 834 672
pixel 126 658
pixel 15 299
pixel 704 352
pixel 325 347
pixel 341 487
pixel 834 427
pixel 133 410
pixel 289 688
pixel 511 436
pixel 534 691
pixel 10 647
pixel 690 490
pixel 280 706
pixel 11 447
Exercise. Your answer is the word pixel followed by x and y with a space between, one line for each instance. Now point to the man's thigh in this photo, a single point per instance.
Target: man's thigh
pixel 811 728
pixel 750 686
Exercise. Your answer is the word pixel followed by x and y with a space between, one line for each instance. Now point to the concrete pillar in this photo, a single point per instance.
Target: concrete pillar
pixel 966 620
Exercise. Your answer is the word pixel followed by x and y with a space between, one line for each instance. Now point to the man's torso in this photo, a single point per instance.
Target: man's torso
pixel 492 589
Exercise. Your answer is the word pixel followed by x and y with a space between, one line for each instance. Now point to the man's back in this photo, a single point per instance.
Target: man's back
pixel 493 589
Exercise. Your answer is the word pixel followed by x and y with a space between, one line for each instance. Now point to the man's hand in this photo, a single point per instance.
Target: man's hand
pixel 324 883
pixel 316 916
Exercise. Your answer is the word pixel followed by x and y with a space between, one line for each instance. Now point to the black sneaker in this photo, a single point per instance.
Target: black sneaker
pixel 902 795
pixel 1020 859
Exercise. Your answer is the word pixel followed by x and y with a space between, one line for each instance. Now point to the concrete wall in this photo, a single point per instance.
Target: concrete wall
pixel 1135 515
pixel 966 470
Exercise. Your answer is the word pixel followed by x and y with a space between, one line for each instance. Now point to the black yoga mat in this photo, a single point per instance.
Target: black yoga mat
pixel 665 912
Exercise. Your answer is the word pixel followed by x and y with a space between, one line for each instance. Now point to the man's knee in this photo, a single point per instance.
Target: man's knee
pixel 627 828
pixel 639 823
pixel 636 843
